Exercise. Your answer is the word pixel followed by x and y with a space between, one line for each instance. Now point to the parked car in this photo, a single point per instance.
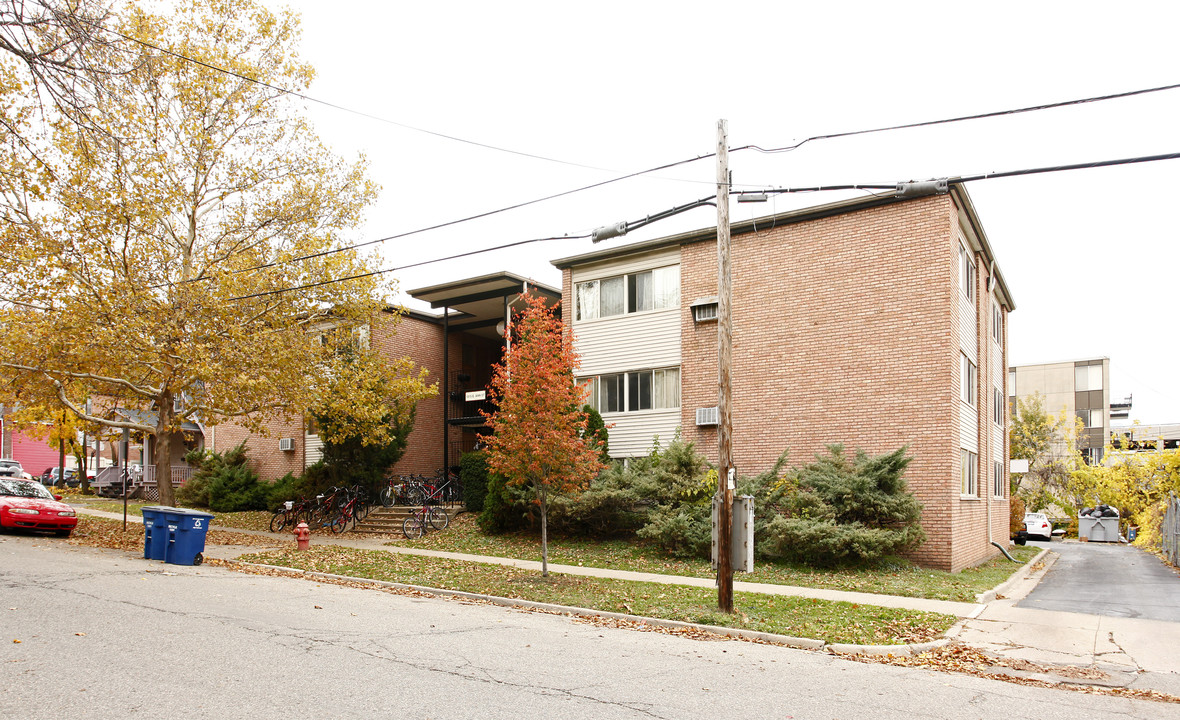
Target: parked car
pixel 28 505
pixel 12 468
pixel 1037 525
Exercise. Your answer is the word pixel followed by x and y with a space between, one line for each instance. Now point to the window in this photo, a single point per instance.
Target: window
pixel 635 391
pixel 966 272
pixel 969 483
pixel 998 407
pixel 1087 377
pixel 967 379
pixel 1090 418
pixel 997 323
pixel 998 479
pixel 656 289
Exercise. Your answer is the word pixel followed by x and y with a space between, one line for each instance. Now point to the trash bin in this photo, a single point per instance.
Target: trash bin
pixel 177 534
pixel 1132 533
pixel 1099 524
pixel 155 532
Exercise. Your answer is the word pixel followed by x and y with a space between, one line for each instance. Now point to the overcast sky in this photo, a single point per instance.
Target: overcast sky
pixel 609 88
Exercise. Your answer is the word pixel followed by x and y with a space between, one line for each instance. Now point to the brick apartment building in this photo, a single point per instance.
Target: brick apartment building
pixel 458 347
pixel 876 323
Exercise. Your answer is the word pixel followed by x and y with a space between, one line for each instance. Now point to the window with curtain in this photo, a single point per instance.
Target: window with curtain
pixel 635 391
pixel 657 289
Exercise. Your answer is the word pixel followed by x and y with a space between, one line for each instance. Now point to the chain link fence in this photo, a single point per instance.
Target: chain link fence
pixel 1171 531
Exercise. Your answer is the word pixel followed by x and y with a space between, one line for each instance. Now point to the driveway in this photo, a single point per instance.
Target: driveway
pixel 1107 579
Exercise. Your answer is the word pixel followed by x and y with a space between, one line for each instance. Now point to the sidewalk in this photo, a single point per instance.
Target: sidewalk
pixel 1142 654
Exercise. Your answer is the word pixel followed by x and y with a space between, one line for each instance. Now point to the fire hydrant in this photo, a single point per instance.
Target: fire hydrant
pixel 302 536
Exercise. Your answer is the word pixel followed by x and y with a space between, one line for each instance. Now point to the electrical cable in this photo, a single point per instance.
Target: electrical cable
pixel 958 180
pixel 342 108
pixel 405 267
pixel 962 118
pixel 709 201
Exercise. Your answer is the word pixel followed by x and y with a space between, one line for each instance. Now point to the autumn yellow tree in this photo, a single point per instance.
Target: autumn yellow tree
pixel 539 434
pixel 179 258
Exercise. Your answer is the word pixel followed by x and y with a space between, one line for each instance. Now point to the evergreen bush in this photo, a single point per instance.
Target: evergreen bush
pixel 473 473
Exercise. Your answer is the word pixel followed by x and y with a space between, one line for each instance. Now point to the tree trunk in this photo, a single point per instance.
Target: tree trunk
pixel 544 533
pixel 164 454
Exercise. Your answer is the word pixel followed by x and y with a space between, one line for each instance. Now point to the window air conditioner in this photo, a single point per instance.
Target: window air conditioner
pixel 707 416
pixel 286 444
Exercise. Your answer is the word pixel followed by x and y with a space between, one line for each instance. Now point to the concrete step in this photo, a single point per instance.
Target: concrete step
pixel 382 520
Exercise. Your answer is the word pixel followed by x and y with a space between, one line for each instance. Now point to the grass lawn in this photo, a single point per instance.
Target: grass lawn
pixel 248 520
pixel 898 577
pixel 798 617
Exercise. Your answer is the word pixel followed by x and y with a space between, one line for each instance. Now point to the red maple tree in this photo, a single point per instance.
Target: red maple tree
pixel 539 437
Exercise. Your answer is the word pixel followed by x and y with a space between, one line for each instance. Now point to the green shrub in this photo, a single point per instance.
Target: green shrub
pixel 841 511
pixel 505 507
pixel 596 429
pixel 473 473
pixel 223 482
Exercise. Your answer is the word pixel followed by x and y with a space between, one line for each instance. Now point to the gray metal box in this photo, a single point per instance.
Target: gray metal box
pixel 1102 529
pixel 742 556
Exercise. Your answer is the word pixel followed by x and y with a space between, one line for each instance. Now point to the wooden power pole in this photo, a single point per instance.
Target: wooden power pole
pixel 725 479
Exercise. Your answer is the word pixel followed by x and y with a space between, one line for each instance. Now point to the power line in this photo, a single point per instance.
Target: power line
pixel 342 108
pixel 474 217
pixel 405 267
pixel 778 191
pixel 961 118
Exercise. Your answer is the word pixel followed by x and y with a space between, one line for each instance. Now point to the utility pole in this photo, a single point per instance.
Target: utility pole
pixel 725 472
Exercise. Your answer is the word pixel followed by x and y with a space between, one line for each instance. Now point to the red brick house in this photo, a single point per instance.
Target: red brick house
pixel 876 322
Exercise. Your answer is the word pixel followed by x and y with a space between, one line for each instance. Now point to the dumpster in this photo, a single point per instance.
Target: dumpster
pixel 177 534
pixel 1099 524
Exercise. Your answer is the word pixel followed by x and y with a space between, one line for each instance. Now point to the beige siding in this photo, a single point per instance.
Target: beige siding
pixel 969 346
pixel 633 434
pixel 636 263
pixel 629 342
pixel 314 449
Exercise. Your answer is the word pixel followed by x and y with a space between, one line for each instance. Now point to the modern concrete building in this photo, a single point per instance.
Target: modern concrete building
pixel 877 322
pixel 1079 388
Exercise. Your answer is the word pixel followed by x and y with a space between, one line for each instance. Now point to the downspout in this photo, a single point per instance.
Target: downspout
pixel 446 394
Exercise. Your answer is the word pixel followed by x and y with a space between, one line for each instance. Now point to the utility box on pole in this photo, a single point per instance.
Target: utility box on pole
pixel 742 545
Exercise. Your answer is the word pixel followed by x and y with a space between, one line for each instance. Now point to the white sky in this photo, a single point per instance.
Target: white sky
pixel 1090 256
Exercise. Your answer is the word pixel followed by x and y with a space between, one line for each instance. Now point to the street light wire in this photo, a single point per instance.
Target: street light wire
pixel 962 118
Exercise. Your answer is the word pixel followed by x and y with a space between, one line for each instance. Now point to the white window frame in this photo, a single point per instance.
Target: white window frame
pixel 999 483
pixel 659 390
pixel 968 378
pixel 968 472
pixel 998 406
pixel 664 291
pixel 967 271
pixel 997 322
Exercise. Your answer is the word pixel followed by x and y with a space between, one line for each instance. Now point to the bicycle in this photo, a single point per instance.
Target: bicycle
pixel 419 521
pixel 289 514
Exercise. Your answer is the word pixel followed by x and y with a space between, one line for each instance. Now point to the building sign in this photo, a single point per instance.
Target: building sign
pixel 476 395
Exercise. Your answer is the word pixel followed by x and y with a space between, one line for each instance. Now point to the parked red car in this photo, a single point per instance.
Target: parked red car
pixel 27 505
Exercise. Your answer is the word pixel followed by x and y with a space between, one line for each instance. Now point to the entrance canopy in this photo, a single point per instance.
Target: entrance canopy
pixel 478 304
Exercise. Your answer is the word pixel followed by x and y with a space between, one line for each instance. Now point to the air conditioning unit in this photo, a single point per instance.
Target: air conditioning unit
pixel 707 416
pixel 286 444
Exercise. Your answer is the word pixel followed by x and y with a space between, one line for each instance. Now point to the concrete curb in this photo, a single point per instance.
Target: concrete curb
pixel 1021 574
pixel 736 633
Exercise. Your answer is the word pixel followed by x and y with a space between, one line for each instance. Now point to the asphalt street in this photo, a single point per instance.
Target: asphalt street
pixel 1109 579
pixel 106 634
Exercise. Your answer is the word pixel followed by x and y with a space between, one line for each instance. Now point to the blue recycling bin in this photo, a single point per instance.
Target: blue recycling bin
pixel 155 533
pixel 177 534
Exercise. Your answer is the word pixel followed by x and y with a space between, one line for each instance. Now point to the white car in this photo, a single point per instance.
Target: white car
pixel 13 469
pixel 1037 525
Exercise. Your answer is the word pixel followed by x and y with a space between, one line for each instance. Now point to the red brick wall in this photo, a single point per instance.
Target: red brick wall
pixel 262 452
pixel 844 332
